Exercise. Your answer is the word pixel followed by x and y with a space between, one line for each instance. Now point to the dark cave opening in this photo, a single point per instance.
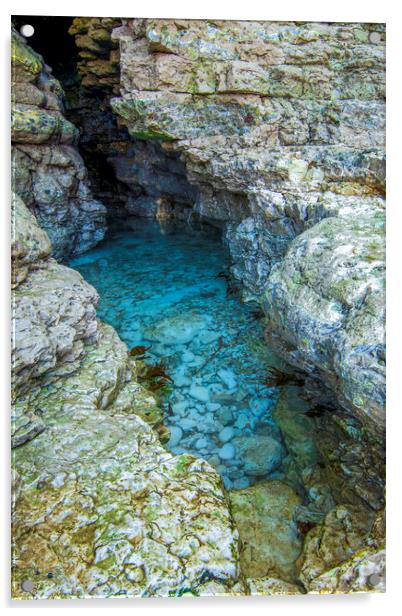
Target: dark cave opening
pixel 130 176
pixel 52 40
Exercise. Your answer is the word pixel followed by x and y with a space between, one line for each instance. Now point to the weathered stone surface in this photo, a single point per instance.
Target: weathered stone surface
pixel 326 301
pixel 344 531
pixel 272 586
pixel 103 509
pixel 29 243
pixel 47 171
pixel 363 572
pixel 270 541
pixel 345 554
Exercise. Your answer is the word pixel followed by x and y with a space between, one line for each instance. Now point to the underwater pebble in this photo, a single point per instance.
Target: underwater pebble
pixel 199 393
pixel 212 406
pixel 175 436
pixel 241 483
pixel 187 357
pixel 181 381
pixel 226 434
pixel 188 424
pixel 228 378
pixel 227 452
pixel 206 337
pixel 242 421
pixel 201 443
pixel 225 416
pixel 214 461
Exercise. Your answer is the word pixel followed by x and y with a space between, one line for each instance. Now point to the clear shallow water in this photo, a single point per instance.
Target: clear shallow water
pixel 160 286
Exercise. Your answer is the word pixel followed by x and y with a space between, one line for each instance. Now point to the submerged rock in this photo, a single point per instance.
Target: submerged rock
pixel 178 329
pixel 261 454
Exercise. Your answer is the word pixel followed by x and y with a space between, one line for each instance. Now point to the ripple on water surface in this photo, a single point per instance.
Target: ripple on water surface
pixel 159 286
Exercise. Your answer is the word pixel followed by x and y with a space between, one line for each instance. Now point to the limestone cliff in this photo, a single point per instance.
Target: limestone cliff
pixel 281 127
pixel 47 170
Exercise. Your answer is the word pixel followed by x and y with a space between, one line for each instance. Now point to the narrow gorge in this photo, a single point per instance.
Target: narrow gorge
pixel 198 272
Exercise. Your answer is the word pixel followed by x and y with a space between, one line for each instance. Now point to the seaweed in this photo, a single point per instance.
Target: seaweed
pixel 279 378
pixel 139 351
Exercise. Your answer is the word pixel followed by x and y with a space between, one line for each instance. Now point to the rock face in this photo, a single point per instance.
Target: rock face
pixel 281 128
pixel 100 508
pixel 47 171
pixel 345 553
pixel 270 541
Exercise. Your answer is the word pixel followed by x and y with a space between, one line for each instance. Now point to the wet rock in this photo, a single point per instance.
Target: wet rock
pixel 272 586
pixel 261 454
pixel 226 434
pixel 199 393
pixel 227 452
pixel 228 378
pixel 224 415
pixel 48 172
pixel 263 513
pixel 175 436
pixel 344 532
pixel 179 329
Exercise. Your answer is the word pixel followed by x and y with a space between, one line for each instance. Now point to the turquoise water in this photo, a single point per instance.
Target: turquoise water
pixel 166 286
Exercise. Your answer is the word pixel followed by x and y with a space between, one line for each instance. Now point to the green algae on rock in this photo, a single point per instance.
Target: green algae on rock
pixel 270 541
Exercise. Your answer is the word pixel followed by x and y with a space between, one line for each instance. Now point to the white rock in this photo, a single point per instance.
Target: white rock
pixel 227 452
pixel 228 377
pixel 199 393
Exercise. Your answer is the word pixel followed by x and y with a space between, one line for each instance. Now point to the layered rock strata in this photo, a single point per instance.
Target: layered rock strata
pixel 47 170
pixel 132 176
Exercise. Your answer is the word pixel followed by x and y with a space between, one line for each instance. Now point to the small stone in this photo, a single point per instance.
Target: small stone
pixel 176 434
pixel 226 434
pixel 225 416
pixel 212 406
pixel 228 378
pixel 187 357
pixel 188 424
pixel 199 393
pixel 241 483
pixel 242 421
pixel 201 443
pixel 227 452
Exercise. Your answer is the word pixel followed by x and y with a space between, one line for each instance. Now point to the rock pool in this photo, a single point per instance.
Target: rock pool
pixel 165 286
